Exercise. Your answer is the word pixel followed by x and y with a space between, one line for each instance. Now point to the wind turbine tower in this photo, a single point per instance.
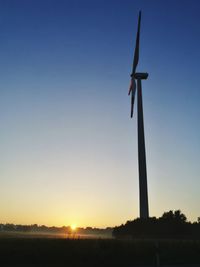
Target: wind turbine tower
pixel 136 84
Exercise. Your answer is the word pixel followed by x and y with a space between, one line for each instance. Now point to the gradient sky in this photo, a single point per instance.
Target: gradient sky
pixel 68 148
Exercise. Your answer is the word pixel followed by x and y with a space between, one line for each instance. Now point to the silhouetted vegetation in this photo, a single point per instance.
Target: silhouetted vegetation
pixel 172 224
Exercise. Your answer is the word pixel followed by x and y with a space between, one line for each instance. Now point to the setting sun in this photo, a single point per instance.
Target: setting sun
pixel 73 227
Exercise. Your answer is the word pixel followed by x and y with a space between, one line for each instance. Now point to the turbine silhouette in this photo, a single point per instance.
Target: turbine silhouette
pixel 139 76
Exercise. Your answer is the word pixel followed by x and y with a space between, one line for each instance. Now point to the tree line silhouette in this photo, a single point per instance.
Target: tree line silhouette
pixel 35 228
pixel 172 224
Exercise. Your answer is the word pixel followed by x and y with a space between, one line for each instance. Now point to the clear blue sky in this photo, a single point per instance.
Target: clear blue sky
pixel 68 148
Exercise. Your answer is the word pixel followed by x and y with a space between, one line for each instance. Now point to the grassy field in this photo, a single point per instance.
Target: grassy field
pixel 41 251
pixel 11 234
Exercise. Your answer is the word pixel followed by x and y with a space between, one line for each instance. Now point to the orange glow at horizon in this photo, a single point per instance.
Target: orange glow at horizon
pixel 73 227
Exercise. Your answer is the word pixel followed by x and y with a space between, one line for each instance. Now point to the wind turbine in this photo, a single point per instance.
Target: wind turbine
pixel 139 76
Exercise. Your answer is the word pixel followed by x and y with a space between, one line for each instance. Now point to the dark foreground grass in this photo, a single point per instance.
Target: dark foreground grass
pixel 95 252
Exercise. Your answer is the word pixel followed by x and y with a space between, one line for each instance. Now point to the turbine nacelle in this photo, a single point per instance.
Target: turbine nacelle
pixel 140 75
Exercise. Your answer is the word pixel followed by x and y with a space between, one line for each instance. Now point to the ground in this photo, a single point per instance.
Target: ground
pixel 57 252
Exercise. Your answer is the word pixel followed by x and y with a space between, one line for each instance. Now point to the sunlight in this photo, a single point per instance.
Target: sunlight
pixel 73 227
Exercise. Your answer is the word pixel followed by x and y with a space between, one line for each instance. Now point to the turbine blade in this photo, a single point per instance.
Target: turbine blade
pixel 137 44
pixel 131 86
pixel 133 97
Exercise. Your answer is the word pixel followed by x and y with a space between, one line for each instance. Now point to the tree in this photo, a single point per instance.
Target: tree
pixel 169 215
pixel 179 216
pixel 174 216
